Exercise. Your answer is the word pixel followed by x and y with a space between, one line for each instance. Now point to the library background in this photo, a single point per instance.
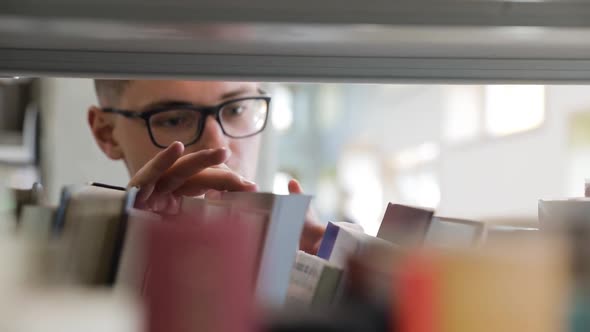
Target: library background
pixel 443 149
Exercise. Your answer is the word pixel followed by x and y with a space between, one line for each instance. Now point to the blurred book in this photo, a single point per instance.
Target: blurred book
pixel 285 215
pixel 314 282
pixel 203 210
pixel 27 197
pixel 516 285
pixel 70 309
pixel 405 225
pixel 132 264
pixel 340 241
pixel 557 214
pixel 454 233
pixel 37 220
pixel 92 220
pixel 200 276
pixel 369 273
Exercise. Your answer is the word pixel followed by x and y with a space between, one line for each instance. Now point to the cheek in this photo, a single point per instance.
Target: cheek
pixel 244 155
pixel 136 145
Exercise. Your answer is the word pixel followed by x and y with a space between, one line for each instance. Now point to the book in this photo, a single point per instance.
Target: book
pixel 27 197
pixel 496 288
pixel 70 309
pixel 92 222
pixel 37 220
pixel 340 241
pixel 369 272
pixel 203 210
pixel 200 276
pixel 206 210
pixel 405 225
pixel 560 213
pixel 314 282
pixel 132 265
pixel 454 233
pixel 285 215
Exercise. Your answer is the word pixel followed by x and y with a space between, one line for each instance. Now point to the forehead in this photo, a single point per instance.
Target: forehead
pixel 141 93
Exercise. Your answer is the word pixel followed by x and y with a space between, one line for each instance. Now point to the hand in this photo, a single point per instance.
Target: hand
pixel 313 231
pixel 170 175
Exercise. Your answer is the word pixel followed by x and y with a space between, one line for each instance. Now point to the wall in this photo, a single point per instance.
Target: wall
pixel 506 177
pixel 70 155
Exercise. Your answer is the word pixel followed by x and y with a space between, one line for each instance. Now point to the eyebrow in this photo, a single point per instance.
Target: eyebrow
pixel 175 102
pixel 235 93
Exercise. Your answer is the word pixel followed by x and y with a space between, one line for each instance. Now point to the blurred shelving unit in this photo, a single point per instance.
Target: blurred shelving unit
pixel 306 40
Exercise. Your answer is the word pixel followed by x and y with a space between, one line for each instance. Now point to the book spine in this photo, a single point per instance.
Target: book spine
pixel 328 241
pixel 327 286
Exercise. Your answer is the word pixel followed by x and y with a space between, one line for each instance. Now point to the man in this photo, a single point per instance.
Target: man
pixel 186 138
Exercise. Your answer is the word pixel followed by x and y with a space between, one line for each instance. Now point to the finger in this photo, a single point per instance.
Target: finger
pixel 143 194
pixel 158 203
pixel 152 170
pixel 173 205
pixel 295 187
pixel 214 179
pixel 213 195
pixel 189 165
pixel 311 237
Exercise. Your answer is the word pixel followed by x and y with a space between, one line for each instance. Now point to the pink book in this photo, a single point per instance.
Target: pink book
pixel 200 276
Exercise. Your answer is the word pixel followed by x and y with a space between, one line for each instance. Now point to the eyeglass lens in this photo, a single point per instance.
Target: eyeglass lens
pixel 238 119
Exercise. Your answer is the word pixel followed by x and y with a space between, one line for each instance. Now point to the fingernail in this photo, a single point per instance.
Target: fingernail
pixel 226 151
pixel 213 195
pixel 176 145
pixel 160 205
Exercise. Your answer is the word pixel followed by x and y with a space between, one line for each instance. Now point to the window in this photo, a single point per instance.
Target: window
pixel 511 109
pixel 462 117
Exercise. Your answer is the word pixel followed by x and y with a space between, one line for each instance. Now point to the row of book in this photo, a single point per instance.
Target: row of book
pixel 232 264
pixel 319 280
pixel 103 237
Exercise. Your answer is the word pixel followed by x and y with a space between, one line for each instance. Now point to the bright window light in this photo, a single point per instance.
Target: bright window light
pixel 281 183
pixel 417 155
pixel 282 108
pixel 421 189
pixel 511 109
pixel 359 174
pixel 462 114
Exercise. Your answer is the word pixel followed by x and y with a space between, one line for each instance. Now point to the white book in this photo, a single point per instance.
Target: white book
pixel 314 282
pixel 562 212
pixel 286 215
pixel 341 241
pixel 71 310
pixel 37 221
pixel 454 233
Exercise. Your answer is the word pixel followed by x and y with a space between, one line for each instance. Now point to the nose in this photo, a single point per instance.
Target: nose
pixel 212 136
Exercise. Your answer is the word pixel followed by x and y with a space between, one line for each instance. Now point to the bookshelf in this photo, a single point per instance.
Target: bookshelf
pixel 374 41
pixel 343 41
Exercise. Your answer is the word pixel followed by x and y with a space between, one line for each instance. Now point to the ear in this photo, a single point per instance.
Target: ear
pixel 102 126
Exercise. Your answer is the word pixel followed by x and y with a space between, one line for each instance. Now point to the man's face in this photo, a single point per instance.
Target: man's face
pixel 132 134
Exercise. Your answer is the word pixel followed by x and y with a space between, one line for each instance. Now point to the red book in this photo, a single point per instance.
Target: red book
pixel 416 296
pixel 200 277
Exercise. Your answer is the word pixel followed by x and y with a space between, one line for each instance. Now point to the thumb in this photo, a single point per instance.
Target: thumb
pixel 295 187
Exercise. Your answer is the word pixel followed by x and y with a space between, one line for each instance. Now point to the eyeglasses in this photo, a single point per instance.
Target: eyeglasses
pixel 238 118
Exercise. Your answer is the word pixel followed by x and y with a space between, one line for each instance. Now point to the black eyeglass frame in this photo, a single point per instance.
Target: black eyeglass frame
pixel 205 111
